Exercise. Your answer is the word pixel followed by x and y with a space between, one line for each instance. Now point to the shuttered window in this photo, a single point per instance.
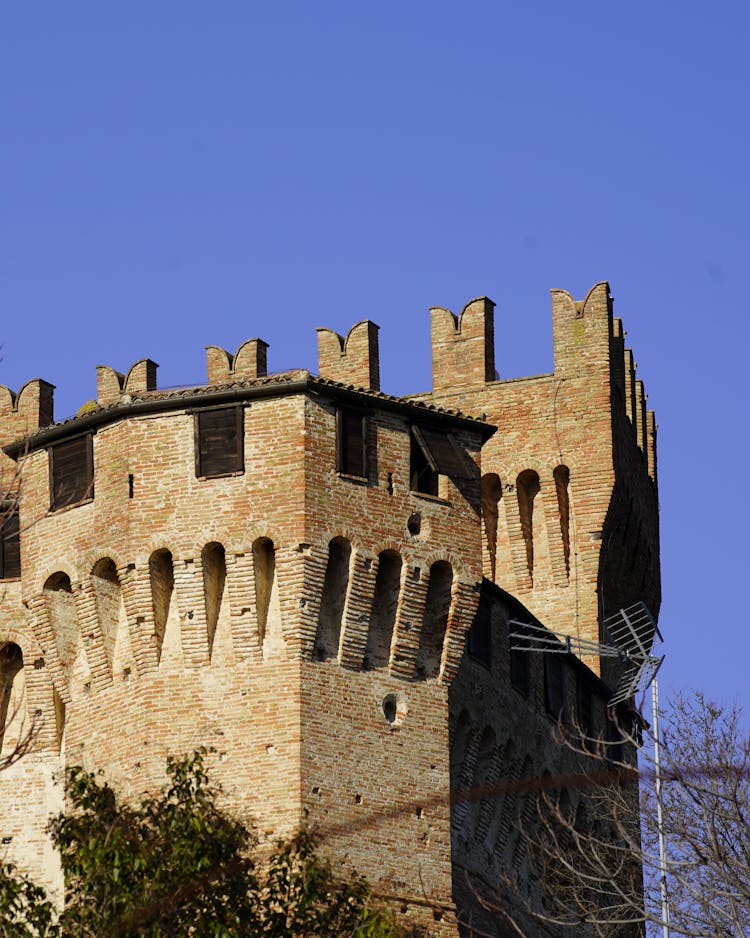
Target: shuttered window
pixel 219 442
pixel 10 543
pixel 71 471
pixel 554 685
pixel 351 442
pixel 434 452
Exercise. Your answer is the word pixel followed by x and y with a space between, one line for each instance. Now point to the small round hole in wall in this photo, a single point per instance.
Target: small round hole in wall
pixel 414 524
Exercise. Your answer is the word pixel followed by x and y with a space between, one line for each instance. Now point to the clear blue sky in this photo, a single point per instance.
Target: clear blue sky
pixel 180 174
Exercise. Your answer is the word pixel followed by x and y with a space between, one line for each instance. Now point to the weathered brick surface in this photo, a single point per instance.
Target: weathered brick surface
pixel 170 611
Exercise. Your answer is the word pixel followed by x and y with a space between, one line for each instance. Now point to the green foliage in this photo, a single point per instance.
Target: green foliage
pixel 300 895
pixel 25 911
pixel 177 866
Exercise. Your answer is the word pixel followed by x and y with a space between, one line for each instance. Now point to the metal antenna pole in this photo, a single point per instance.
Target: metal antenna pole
pixel 659 819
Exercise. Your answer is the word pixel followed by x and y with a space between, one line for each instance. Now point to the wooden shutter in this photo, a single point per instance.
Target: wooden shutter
pixel 71 472
pixel 10 543
pixel 219 442
pixel 444 454
pixel 351 443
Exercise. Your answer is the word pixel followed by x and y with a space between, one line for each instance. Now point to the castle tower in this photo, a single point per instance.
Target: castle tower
pixel 569 485
pixel 318 582
pixel 282 569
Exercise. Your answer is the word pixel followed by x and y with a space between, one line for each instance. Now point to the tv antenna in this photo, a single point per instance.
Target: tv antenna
pixel 629 634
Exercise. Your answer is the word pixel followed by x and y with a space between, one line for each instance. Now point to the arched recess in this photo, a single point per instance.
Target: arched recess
pixel 61 607
pixel 561 475
pixel 527 488
pixel 110 611
pixel 214 564
pixel 384 608
pixel 12 701
pixel 267 602
pixel 482 795
pixel 492 492
pixel 435 620
pixel 463 767
pixel 166 617
pixel 335 588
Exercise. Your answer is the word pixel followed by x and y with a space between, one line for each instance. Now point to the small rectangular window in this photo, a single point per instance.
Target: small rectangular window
pixel 351 443
pixel 554 685
pixel 71 471
pixel 219 442
pixel 480 634
pixel 10 543
pixel 520 661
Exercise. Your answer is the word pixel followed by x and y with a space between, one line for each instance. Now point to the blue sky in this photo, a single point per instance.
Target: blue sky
pixel 180 174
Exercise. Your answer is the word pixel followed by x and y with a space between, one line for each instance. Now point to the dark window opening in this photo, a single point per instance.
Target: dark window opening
pixel 520 661
pixel 10 543
pixel 435 453
pixel 554 685
pixel 351 443
pixel 480 634
pixel 71 469
pixel 422 477
pixel 585 709
pixel 219 442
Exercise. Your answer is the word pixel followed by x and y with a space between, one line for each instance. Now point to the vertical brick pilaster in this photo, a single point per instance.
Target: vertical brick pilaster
pixel 357 611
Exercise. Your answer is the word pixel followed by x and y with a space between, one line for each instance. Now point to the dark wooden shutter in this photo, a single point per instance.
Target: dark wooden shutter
pixel 422 476
pixel 351 443
pixel 554 685
pixel 10 543
pixel 444 454
pixel 219 442
pixel 71 471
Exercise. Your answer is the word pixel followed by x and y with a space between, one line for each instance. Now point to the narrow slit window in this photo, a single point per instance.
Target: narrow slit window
pixel 71 469
pixel 10 543
pixel 520 662
pixel 554 685
pixel 585 708
pixel 351 443
pixel 480 634
pixel 219 442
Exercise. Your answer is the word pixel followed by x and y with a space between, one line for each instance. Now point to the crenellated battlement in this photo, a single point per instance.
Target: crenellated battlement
pixel 22 413
pixel 353 359
pixel 111 384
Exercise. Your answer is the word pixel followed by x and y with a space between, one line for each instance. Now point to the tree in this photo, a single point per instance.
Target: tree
pixel 597 854
pixel 179 865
